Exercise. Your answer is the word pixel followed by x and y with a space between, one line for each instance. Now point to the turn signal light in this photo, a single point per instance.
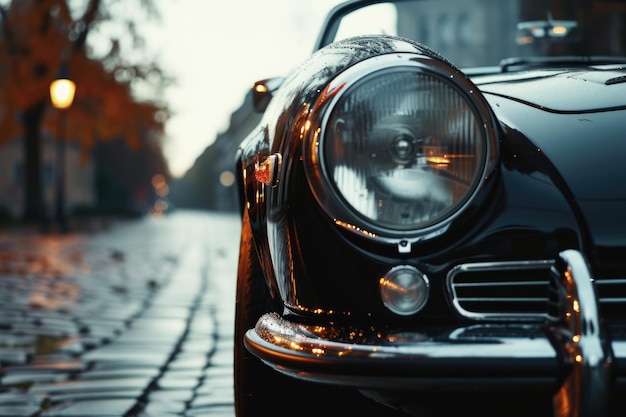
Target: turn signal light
pixel 404 290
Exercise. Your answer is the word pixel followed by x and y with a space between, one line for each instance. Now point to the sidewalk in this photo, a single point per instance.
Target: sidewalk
pixel 133 321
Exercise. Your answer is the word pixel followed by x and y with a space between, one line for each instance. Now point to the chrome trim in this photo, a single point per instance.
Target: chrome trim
pixel 618 281
pixel 458 301
pixel 572 351
pixel 404 360
pixel 612 300
pixel 603 284
pixel 585 391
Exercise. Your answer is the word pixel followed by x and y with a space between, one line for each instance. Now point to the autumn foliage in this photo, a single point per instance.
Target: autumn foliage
pixel 39 36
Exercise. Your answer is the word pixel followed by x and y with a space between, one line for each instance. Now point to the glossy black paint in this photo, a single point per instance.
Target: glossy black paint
pixel 528 210
pixel 584 140
pixel 550 211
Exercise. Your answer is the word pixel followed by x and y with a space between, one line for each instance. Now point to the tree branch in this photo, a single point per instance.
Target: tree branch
pixel 90 15
pixel 6 30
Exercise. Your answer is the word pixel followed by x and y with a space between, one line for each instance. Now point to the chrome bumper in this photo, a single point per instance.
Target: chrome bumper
pixel 571 358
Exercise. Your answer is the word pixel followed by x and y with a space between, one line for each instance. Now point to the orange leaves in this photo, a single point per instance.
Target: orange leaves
pixel 38 36
pixel 32 50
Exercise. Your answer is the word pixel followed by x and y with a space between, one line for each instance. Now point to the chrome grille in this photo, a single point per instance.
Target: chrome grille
pixel 612 295
pixel 523 290
pixel 502 290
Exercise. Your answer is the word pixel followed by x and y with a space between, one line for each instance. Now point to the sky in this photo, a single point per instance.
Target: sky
pixel 217 50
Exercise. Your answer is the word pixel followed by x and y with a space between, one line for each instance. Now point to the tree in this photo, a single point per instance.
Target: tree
pixel 38 37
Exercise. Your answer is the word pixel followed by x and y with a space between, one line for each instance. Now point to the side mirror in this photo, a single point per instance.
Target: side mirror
pixel 263 91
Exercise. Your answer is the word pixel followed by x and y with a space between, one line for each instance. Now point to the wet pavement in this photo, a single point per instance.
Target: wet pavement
pixel 133 320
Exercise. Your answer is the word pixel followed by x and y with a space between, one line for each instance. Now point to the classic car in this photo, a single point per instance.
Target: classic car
pixel 434 215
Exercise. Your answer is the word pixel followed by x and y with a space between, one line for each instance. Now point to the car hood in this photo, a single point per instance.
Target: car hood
pixel 577 120
pixel 563 91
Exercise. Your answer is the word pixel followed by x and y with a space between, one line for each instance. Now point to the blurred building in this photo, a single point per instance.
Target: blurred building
pixel 79 178
pixel 210 182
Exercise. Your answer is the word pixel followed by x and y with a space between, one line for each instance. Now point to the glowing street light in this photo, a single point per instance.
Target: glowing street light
pixel 62 92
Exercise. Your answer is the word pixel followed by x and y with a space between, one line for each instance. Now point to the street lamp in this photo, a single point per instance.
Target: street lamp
pixel 62 92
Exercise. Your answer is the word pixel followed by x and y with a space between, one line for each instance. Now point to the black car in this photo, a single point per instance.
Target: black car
pixel 434 215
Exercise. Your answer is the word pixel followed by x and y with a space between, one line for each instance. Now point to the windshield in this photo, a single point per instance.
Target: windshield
pixel 473 33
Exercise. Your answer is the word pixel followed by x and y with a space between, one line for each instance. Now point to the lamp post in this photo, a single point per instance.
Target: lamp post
pixel 62 92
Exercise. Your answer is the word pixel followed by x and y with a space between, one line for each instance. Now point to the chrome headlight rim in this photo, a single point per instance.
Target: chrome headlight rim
pixel 319 179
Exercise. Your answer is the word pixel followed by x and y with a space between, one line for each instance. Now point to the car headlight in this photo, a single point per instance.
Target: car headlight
pixel 402 145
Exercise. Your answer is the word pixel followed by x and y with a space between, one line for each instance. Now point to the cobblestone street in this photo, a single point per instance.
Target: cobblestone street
pixel 133 320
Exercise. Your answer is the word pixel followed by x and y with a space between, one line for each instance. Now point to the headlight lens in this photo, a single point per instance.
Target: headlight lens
pixel 403 148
